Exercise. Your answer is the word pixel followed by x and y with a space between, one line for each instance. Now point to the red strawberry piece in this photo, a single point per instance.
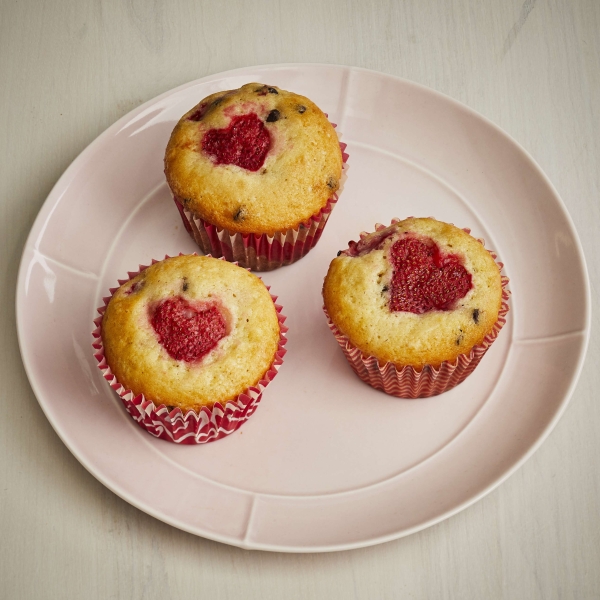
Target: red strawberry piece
pixel 424 279
pixel 245 143
pixel 186 332
pixel 198 113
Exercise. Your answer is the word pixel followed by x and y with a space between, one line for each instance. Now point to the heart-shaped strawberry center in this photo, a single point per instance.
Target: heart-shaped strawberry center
pixel 424 279
pixel 186 332
pixel 245 143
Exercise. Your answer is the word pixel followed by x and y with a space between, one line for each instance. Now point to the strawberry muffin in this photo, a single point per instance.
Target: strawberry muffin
pixel 254 173
pixel 415 305
pixel 189 343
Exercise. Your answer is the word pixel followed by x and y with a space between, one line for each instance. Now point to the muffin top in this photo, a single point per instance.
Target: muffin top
pixel 418 292
pixel 190 331
pixel 254 160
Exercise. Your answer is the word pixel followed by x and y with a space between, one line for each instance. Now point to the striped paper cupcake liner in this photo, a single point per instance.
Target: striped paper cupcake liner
pixel 411 382
pixel 171 424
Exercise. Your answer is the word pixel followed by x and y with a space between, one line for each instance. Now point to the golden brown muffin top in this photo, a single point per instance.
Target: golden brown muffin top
pixel 290 158
pixel 149 352
pixel 363 294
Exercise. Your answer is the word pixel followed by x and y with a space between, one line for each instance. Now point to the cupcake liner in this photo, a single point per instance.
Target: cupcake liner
pixel 408 381
pixel 259 252
pixel 171 424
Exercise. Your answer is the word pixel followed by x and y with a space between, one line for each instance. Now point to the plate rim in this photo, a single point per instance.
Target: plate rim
pixel 51 201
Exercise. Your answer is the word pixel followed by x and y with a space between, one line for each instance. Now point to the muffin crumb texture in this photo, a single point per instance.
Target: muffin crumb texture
pixel 419 292
pixel 190 331
pixel 259 147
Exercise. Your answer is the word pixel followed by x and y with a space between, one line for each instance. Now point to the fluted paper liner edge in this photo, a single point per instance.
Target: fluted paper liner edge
pixel 207 425
pixel 408 381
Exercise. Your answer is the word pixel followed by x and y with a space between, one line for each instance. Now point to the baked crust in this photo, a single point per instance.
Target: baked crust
pixel 302 169
pixel 238 361
pixel 356 298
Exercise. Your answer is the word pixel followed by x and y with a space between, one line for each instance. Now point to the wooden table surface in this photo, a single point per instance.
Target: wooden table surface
pixel 71 68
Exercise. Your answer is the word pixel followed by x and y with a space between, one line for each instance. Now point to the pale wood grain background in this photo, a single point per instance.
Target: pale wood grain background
pixel 68 69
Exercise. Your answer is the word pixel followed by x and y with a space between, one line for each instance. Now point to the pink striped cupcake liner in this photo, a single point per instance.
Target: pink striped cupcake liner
pixel 259 252
pixel 411 382
pixel 171 424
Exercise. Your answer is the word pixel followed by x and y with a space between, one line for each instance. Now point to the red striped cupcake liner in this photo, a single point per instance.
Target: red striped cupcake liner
pixel 259 252
pixel 411 382
pixel 171 424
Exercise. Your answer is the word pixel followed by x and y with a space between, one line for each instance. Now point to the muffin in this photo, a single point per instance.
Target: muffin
pixel 189 343
pixel 415 305
pixel 254 173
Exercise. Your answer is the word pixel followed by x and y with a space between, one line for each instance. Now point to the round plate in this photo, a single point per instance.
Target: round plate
pixel 326 463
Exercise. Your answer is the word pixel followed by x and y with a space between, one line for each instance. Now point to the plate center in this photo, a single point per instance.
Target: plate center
pixel 319 429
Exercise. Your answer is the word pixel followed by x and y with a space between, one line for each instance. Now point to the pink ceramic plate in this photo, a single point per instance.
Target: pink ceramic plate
pixel 326 463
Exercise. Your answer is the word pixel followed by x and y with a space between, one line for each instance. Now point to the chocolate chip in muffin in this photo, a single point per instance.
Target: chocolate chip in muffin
pixel 332 183
pixel 240 214
pixel 274 115
pixel 476 316
pixel 185 285
pixel 264 90
pixel 301 109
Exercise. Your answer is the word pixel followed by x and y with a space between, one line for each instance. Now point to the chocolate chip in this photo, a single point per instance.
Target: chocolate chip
pixel 240 214
pixel 301 109
pixel 274 115
pixel 476 316
pixel 186 285
pixel 332 182
pixel 272 90
pixel 459 339
pixel 339 252
pixel 385 288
